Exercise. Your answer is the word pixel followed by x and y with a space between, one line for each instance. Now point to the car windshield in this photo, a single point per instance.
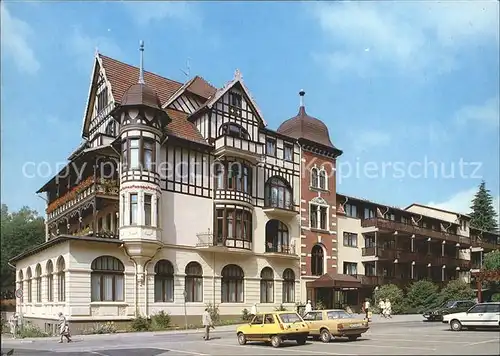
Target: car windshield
pixel 448 304
pixel 290 317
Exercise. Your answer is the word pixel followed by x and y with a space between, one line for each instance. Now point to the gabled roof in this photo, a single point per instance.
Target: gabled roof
pixel 182 128
pixel 237 80
pixel 197 86
pixel 122 76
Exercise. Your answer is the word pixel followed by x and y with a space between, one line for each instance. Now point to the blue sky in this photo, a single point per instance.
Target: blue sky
pixel 395 82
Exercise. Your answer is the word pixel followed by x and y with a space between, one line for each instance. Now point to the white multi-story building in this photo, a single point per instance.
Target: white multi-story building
pixel 179 196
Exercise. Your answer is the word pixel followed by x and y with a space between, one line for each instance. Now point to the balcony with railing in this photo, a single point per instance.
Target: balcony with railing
pixel 411 229
pixel 82 193
pixel 229 145
pixel 207 241
pixel 281 250
pixel 276 207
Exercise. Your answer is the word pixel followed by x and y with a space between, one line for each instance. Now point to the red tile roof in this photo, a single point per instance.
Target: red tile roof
pixel 122 76
pixel 183 128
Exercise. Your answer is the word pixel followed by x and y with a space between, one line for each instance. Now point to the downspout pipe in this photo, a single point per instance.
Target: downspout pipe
pixel 146 311
pixel 136 301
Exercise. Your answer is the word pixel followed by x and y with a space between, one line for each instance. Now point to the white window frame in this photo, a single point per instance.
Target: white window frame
pixel 320 202
pixel 322 170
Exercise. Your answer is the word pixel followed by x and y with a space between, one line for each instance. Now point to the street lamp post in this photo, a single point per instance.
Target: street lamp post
pixel 185 310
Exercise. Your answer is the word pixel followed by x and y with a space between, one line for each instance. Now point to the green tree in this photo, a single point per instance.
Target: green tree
pixel 483 214
pixel 456 289
pixel 421 296
pixel 394 294
pixel 491 260
pixel 20 231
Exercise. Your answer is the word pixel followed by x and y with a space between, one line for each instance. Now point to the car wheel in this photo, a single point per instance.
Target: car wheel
pixel 301 340
pixel 455 325
pixel 275 341
pixel 325 335
pixel 242 339
pixel 353 337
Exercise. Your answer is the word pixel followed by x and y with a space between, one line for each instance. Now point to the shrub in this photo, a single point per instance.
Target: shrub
pixel 213 310
pixel 160 321
pixel 102 328
pixel 140 323
pixel 245 315
pixel 421 296
pixel 319 305
pixel 30 330
pixel 495 297
pixel 280 308
pixel 395 296
pixel 456 289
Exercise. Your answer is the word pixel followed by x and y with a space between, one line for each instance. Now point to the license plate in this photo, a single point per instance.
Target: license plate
pixel 355 325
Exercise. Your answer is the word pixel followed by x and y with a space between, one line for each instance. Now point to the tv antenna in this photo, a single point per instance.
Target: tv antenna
pixel 187 72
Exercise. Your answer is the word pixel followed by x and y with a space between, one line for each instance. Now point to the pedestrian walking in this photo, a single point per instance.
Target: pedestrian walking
pixel 366 307
pixel 308 307
pixel 388 309
pixel 381 306
pixel 253 310
pixel 14 324
pixel 63 328
pixel 207 324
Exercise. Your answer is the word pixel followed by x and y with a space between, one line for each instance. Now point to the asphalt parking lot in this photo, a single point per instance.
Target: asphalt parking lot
pixel 411 338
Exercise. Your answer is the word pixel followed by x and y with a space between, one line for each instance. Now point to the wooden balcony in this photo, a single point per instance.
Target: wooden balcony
pixel 487 245
pixel 404 256
pixel 410 229
pixel 80 194
pixel 239 147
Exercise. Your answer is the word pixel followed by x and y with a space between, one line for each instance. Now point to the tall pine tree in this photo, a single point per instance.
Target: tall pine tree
pixel 483 214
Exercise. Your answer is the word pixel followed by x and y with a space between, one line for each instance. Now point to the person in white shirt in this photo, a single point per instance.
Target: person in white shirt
pixel 253 309
pixel 388 309
pixel 308 307
pixel 63 328
pixel 366 307
pixel 14 323
pixel 207 323
pixel 381 306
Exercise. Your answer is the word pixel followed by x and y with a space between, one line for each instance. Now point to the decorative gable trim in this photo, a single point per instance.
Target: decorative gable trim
pixel 96 70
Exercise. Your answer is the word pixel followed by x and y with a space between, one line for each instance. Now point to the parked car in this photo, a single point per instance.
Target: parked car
pixel 452 306
pixel 482 315
pixel 325 324
pixel 274 327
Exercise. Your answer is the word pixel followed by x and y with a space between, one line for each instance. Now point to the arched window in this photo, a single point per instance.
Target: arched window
pixel 314 178
pixel 38 279
pixel 288 286
pixel 267 285
pixel 233 227
pixel 164 281
pixel 194 282
pixel 322 179
pixel 232 284
pixel 50 281
pixel 317 260
pixel 21 282
pixel 234 130
pixel 30 285
pixel 277 237
pixel 107 279
pixel 278 194
pixel 61 279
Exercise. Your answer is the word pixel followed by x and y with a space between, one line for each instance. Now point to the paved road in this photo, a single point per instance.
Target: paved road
pixel 410 338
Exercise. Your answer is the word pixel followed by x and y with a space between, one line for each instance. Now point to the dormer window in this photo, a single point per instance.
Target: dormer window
pixel 235 99
pixel 234 130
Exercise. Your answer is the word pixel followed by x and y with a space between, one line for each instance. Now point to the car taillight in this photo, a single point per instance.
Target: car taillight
pixel 340 326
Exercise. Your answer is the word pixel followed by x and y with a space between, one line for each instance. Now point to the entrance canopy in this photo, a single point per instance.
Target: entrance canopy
pixel 335 281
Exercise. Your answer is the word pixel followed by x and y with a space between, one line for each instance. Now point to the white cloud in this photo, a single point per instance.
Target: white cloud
pixel 415 37
pixel 461 201
pixel 15 41
pixel 83 47
pixel 369 139
pixel 144 13
pixel 485 114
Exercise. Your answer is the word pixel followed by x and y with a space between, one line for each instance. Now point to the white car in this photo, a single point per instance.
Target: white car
pixel 482 315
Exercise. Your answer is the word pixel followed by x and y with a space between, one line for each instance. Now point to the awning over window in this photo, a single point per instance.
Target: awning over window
pixel 335 281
